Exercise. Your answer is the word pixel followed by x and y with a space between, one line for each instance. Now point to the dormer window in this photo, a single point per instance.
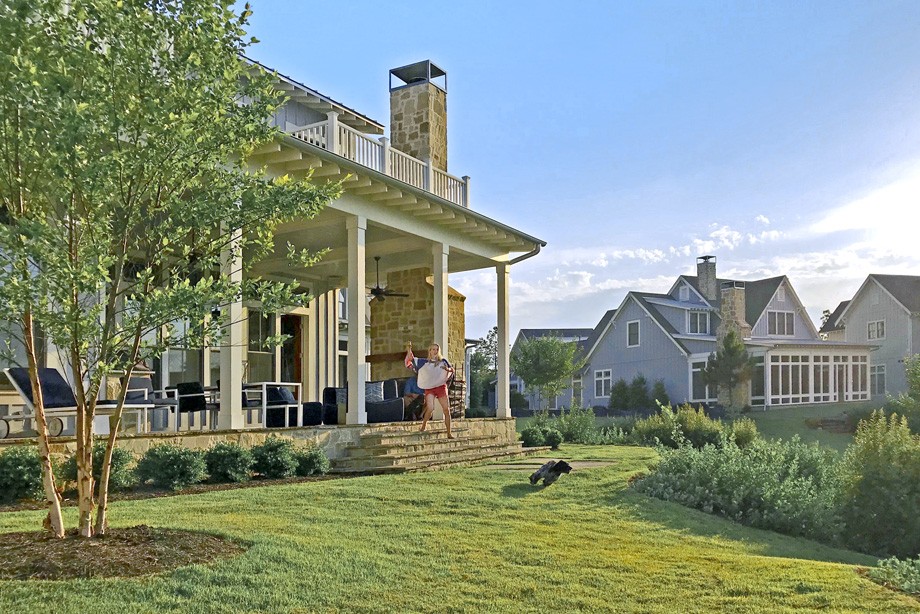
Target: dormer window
pixel 698 322
pixel 684 293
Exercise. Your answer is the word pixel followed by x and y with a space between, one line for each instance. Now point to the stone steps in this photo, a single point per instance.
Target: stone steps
pixel 404 448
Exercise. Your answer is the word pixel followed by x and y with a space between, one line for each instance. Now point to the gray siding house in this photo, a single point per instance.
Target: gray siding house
pixel 670 336
pixel 570 335
pixel 884 312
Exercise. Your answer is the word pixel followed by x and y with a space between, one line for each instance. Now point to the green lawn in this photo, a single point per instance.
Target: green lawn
pixel 784 422
pixel 468 539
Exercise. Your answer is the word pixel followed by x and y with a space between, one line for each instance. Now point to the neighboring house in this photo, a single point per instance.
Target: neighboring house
pixel 884 312
pixel 399 204
pixel 569 335
pixel 831 330
pixel 670 336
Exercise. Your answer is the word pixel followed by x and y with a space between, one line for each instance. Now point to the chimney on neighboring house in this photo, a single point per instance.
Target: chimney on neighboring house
pixel 706 277
pixel 732 311
pixel 418 112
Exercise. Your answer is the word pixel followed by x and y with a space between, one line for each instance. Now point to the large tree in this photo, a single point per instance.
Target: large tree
pixel 125 134
pixel 482 367
pixel 546 364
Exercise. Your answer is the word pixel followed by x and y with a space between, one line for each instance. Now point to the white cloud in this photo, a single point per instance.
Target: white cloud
pixel 602 256
pixel 763 219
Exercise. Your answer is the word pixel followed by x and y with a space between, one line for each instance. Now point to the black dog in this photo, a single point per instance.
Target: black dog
pixel 550 472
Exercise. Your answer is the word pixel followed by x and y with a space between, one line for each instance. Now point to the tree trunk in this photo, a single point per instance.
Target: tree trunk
pixel 84 458
pixel 102 506
pixel 54 521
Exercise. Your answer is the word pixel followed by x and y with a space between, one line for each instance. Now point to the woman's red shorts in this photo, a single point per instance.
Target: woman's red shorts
pixel 440 392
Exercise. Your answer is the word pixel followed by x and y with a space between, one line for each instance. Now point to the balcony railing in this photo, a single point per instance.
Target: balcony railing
pixel 377 154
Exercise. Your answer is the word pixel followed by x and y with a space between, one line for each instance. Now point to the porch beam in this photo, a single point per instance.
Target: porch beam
pixel 357 316
pixel 503 385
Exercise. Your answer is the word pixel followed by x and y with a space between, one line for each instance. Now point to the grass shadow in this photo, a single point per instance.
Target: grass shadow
pixel 517 491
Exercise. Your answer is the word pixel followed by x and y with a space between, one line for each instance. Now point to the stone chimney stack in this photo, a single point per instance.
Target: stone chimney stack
pixel 418 112
pixel 732 311
pixel 706 277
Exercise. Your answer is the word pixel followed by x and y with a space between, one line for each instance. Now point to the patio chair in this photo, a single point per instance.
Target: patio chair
pixel 191 399
pixel 140 390
pixel 278 403
pixel 59 401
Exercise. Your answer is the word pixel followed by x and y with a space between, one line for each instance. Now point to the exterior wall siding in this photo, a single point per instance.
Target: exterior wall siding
pixel 802 328
pixel 657 357
pixel 296 114
pixel 875 304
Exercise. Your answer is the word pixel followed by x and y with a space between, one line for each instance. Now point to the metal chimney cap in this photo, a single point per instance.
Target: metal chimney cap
pixel 419 72
pixel 705 258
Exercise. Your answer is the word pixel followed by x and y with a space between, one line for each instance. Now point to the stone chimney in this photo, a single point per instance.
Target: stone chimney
pixel 418 112
pixel 706 277
pixel 732 311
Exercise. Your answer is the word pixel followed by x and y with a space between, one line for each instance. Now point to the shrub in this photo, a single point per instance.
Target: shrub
pixel 170 466
pixel 657 429
pixel 533 436
pixel 577 425
pixel 697 427
pixel 552 438
pixel 120 475
pixel 638 393
pixel 788 487
pixel 517 400
pixel 228 462
pixel 744 432
pixel 275 458
pixel 903 575
pixel 880 491
pixel 660 394
pixel 312 461
pixel 619 395
pixel 541 419
pixel 480 412
pixel 20 474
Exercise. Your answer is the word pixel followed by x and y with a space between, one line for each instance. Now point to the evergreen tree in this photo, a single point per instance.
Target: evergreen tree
pixel 729 366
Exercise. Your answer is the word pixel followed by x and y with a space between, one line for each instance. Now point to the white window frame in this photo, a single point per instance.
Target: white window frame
pixel 578 390
pixel 690 318
pixel 600 377
pixel 875 330
pixel 877 372
pixel 683 294
pixel 710 394
pixel 638 334
pixel 788 318
pixel 781 295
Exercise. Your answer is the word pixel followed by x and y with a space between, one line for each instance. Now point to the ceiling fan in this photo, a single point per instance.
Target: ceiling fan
pixel 379 293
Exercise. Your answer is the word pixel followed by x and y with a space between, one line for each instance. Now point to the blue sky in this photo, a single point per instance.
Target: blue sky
pixel 783 137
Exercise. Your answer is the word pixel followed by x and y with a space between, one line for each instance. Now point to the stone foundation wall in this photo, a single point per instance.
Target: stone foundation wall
pixel 332 439
pixel 398 320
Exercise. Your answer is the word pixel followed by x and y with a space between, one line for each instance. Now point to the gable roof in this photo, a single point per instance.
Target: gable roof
pixel 832 323
pixel 904 288
pixel 587 346
pixel 563 333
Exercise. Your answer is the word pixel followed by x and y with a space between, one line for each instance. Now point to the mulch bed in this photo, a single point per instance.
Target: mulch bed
pixel 121 553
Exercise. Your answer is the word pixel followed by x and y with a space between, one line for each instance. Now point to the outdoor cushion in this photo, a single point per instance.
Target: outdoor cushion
pixel 280 395
pixel 390 389
pixel 373 392
pixel 56 392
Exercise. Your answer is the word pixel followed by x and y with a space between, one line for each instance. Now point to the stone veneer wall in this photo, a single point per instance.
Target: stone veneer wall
pixel 398 320
pixel 418 122
pixel 732 313
pixel 333 439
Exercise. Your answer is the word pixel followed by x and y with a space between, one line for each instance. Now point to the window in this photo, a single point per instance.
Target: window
pixel 876 330
pixel 698 322
pixel 602 382
pixel 877 379
pixel 781 295
pixel 781 323
pixel 684 293
pixel 632 334
pixel 700 391
pixel 343 305
pixel 261 355
pixel 576 390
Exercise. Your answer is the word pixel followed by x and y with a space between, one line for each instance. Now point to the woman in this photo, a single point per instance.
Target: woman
pixel 433 375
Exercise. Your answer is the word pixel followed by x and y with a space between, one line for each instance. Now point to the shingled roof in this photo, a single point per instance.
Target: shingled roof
pixel 831 324
pixel 904 288
pixel 757 294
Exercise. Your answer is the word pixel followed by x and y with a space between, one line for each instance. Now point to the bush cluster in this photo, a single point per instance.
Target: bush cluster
pixel 275 458
pixel 782 486
pixel 167 465
pixel 880 488
pixel 312 461
pixel 671 428
pixel 635 396
pixel 121 475
pixel 20 474
pixel 903 575
pixel 540 435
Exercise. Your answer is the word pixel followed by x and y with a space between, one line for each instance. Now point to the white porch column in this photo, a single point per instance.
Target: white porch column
pixel 233 346
pixel 439 252
pixel 357 316
pixel 503 366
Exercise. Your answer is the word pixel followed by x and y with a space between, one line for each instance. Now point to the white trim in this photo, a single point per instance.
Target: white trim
pixel 877 337
pixel 609 378
pixel 638 324
pixel 698 313
pixel 786 333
